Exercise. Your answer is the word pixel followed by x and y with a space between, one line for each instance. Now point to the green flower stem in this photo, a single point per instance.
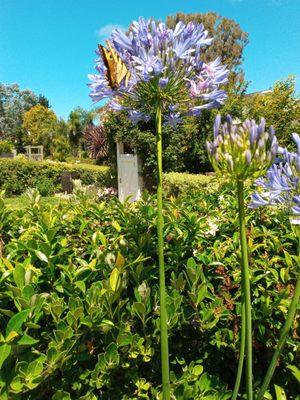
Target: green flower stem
pixel 162 286
pixel 283 336
pixel 241 355
pixel 245 288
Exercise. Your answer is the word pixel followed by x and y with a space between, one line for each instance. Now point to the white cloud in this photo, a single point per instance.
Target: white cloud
pixel 106 30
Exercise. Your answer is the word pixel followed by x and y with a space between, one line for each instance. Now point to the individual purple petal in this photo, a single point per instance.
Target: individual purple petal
pixel 296 138
pixel 137 116
pixel 173 119
pixel 217 125
pixel 163 82
pixel 257 201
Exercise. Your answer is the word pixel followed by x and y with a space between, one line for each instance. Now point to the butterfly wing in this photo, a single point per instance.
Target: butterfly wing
pixel 121 70
pixel 109 63
pixel 116 68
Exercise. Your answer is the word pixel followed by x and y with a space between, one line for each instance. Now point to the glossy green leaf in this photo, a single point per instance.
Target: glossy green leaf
pixel 16 322
pixel 5 350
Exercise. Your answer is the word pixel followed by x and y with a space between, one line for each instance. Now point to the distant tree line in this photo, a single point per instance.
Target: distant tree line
pixel 27 118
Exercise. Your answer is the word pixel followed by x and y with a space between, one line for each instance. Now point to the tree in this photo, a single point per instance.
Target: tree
pixel 14 102
pixel 60 146
pixel 40 123
pixel 229 39
pixel 279 106
pixel 43 101
pixel 78 120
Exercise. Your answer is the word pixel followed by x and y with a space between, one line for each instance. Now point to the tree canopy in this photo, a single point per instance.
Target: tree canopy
pixel 40 123
pixel 14 102
pixel 229 38
pixel 78 120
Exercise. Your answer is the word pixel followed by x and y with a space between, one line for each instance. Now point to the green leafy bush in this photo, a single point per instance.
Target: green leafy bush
pixel 19 175
pixel 176 183
pixel 184 148
pixel 6 146
pixel 79 311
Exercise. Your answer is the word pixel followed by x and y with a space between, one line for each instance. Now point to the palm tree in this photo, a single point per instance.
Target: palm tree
pixel 78 120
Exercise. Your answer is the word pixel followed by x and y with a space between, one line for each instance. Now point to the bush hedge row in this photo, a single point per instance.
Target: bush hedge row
pixel 176 183
pixel 18 175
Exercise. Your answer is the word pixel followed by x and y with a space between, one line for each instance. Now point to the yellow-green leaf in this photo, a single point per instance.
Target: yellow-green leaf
pixel 114 279
pixel 197 370
pixel 280 394
pixel 11 336
pixel 120 261
pixel 4 353
pixel 295 371
pixel 116 225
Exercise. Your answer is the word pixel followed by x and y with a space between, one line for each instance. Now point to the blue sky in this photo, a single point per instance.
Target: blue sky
pixel 48 45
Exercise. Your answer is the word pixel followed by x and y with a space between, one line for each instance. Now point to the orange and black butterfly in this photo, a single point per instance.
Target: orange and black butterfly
pixel 116 69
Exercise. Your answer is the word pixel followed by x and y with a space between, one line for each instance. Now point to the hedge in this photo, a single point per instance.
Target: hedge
pixel 176 183
pixel 17 176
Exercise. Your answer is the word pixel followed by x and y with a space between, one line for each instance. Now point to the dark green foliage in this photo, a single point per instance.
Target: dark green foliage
pixel 184 148
pixel 78 120
pixel 43 101
pixel 17 176
pixel 79 310
pixel 60 146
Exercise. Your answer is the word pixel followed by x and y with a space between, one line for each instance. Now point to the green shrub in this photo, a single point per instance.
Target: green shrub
pixel 18 175
pixel 176 183
pixel 79 312
pixel 45 186
pixel 6 146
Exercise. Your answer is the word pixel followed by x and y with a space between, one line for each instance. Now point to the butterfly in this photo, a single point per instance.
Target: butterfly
pixel 116 69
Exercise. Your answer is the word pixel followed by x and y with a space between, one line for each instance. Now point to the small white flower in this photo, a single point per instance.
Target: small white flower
pixel 213 228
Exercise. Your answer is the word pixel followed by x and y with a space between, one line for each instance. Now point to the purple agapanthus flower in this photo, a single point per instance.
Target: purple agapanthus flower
pixel 281 185
pixel 242 150
pixel 164 65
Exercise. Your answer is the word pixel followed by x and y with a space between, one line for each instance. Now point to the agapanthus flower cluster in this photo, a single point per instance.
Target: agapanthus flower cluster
pixel 281 185
pixel 242 151
pixel 165 66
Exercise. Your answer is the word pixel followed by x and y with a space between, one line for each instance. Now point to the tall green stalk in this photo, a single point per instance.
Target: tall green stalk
pixel 283 336
pixel 242 351
pixel 162 285
pixel 245 288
